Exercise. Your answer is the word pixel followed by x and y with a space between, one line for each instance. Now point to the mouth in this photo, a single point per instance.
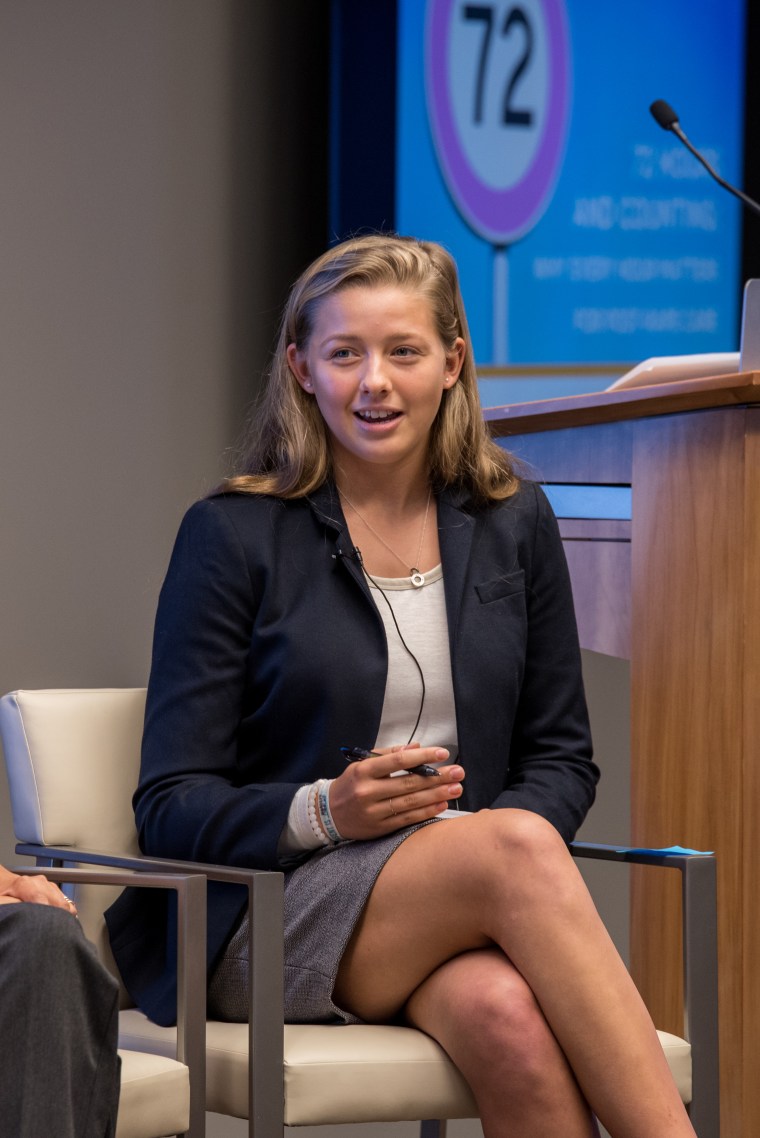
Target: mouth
pixel 371 415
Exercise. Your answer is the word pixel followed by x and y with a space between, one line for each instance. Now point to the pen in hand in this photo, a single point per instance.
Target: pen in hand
pixel 355 754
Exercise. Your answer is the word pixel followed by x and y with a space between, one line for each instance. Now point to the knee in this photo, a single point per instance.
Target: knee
pixel 44 937
pixel 521 837
pixel 508 1034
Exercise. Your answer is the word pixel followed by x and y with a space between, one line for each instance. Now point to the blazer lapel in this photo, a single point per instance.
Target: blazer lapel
pixel 325 503
pixel 456 531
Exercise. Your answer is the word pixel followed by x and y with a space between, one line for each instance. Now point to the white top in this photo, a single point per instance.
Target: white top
pixel 421 617
pixel 420 613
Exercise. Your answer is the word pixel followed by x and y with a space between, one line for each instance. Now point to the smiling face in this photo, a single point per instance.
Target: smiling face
pixel 378 370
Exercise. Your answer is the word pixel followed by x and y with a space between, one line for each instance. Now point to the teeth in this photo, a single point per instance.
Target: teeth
pixel 371 415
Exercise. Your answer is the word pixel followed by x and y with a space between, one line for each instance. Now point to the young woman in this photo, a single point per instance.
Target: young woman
pixel 379 579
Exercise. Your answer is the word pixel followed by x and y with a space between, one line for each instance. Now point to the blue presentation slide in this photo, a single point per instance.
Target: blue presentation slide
pixel 586 236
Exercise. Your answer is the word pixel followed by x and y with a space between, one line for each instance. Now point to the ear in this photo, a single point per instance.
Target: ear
pixel 454 361
pixel 298 364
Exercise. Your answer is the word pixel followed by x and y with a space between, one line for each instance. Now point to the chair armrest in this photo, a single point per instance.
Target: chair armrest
pixel 191 963
pixel 140 863
pixel 699 922
pixel 266 956
pixel 699 916
pixel 675 858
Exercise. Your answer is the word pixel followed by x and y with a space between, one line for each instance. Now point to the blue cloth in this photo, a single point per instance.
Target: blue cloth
pixel 269 653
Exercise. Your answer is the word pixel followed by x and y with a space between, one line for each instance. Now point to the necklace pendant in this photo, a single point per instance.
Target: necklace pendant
pixel 416 578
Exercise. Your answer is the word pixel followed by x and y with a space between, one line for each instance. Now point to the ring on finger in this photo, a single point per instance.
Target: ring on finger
pixel 390 807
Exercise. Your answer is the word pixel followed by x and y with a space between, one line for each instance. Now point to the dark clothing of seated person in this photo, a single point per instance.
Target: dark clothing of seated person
pixel 59 1009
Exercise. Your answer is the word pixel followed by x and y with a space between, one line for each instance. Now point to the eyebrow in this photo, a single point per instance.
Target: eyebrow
pixel 352 337
pixel 338 336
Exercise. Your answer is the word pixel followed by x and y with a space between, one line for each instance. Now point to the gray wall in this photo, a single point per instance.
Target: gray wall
pixel 161 185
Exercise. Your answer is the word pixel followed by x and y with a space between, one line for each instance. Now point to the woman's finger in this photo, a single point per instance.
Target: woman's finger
pixel 411 803
pixel 389 761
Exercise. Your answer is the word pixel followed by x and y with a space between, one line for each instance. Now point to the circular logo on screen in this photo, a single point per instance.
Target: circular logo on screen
pixel 498 92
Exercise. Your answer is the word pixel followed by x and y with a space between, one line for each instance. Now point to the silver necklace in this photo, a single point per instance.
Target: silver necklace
pixel 415 576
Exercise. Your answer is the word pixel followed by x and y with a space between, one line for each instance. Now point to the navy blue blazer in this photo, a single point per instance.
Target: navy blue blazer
pixel 269 654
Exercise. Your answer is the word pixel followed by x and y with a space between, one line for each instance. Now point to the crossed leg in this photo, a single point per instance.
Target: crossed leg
pixel 503 1046
pixel 503 881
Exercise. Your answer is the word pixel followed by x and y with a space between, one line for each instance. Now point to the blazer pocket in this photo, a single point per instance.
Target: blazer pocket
pixel 505 586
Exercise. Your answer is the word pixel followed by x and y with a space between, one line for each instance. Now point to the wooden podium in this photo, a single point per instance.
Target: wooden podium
pixel 674 586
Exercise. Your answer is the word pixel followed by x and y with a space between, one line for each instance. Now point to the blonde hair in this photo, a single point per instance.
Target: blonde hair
pixel 287 453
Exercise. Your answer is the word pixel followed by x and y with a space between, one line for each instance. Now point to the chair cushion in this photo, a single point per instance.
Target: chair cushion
pixel 354 1073
pixel 678 1054
pixel 361 1073
pixel 343 1073
pixel 154 1098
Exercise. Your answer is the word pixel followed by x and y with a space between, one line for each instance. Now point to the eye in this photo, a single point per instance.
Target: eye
pixel 404 351
pixel 341 354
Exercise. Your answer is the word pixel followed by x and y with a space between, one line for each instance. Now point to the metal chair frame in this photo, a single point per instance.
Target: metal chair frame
pixel 265 898
pixel 191 958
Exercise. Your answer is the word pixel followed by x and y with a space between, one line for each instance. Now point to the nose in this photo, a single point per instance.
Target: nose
pixel 374 378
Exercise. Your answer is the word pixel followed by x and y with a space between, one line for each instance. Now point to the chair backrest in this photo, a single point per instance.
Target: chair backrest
pixel 73 761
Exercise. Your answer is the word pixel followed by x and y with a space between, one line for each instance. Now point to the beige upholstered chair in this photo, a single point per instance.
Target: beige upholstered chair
pixel 73 759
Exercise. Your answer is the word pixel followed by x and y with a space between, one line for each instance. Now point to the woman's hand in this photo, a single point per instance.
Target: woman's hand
pixel 366 802
pixel 35 888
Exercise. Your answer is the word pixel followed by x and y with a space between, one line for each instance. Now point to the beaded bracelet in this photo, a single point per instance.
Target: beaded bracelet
pixel 325 814
pixel 317 829
pixel 299 826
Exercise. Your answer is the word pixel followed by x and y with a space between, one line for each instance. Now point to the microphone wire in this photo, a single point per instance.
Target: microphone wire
pixel 406 647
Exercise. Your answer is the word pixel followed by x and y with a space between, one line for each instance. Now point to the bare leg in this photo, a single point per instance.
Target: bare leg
pixel 505 877
pixel 483 1013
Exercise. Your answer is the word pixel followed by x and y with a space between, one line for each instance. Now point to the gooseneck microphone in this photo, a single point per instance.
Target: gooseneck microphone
pixel 666 117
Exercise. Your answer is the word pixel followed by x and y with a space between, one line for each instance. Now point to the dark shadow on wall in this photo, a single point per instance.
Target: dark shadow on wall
pixel 278 114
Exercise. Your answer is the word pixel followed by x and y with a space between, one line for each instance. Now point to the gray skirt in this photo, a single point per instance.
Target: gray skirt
pixel 324 898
